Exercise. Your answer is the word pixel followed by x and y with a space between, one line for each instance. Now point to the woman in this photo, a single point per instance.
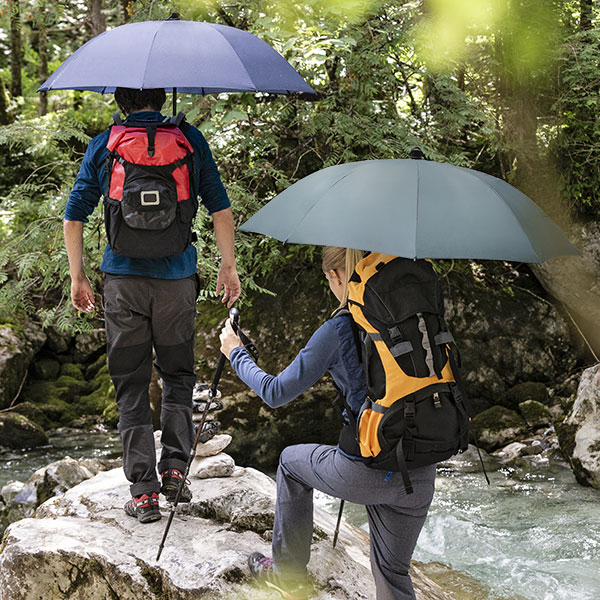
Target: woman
pixel 395 518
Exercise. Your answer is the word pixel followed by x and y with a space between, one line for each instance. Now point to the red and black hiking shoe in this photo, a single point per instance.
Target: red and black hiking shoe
pixel 144 507
pixel 171 479
pixel 261 568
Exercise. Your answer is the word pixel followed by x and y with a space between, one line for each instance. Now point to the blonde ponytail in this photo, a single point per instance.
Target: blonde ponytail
pixel 341 259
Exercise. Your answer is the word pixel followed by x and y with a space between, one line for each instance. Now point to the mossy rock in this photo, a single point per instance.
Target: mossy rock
pixel 530 390
pixel 17 431
pixel 496 427
pixel 40 392
pixel 111 414
pixel 72 370
pixel 46 368
pixel 49 415
pixel 92 370
pixel 74 387
pixel 535 414
pixel 102 395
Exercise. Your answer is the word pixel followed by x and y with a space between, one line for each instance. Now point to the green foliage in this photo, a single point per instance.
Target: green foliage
pixel 508 88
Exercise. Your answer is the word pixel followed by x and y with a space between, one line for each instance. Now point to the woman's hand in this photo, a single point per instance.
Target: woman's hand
pixel 229 339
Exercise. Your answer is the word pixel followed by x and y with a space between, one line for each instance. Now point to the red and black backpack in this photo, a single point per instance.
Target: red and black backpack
pixel 150 202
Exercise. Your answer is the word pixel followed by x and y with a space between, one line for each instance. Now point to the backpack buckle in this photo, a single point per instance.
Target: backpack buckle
pixel 437 403
pixel 409 409
pixel 150 198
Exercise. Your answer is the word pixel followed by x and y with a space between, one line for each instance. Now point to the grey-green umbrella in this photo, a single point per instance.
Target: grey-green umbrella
pixel 415 209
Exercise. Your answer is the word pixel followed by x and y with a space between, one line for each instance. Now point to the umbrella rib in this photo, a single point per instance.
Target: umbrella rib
pixel 533 250
pixel 417 214
pixel 315 203
pixel 238 58
pixel 150 52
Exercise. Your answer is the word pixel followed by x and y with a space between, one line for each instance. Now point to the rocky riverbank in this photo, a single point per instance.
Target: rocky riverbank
pixel 81 545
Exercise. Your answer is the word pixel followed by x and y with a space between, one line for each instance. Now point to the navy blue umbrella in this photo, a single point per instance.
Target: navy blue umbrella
pixel 185 56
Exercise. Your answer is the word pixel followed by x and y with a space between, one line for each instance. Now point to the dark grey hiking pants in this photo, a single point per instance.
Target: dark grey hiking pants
pixel 395 518
pixel 142 313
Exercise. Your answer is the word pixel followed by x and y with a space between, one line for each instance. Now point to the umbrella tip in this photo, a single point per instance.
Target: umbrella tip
pixel 416 153
pixel 174 17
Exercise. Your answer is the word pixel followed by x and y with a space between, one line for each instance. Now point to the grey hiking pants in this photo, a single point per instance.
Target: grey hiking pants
pixel 395 518
pixel 142 313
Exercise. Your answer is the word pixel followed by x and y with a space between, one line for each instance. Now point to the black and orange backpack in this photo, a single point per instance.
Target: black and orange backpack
pixel 415 413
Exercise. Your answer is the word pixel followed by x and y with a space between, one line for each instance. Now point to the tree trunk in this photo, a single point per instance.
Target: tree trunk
pixel 16 51
pixel 96 21
pixel 43 56
pixel 585 8
pixel 3 104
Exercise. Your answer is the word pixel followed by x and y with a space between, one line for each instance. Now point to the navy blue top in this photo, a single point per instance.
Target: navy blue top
pixel 91 182
pixel 331 348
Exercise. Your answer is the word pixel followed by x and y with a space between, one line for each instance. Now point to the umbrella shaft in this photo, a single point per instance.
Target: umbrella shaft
pixel 174 102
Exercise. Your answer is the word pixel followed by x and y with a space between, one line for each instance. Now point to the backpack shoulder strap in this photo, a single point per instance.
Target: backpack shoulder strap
pixel 177 120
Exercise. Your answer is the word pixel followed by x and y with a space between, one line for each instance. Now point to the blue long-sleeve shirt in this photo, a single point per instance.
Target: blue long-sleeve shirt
pixel 331 348
pixel 91 183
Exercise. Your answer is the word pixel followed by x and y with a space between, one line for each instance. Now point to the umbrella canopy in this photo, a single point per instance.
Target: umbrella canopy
pixel 415 209
pixel 187 56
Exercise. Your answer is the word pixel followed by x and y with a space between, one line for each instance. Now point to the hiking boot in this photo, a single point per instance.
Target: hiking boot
pixel 144 507
pixel 261 568
pixel 171 479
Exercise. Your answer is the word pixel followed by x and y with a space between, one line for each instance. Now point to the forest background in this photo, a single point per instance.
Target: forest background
pixel 508 87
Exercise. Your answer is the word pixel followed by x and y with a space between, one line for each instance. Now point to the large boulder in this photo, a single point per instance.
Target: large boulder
pixel 18 346
pixel 579 433
pixel 17 431
pixel 83 546
pixel 497 427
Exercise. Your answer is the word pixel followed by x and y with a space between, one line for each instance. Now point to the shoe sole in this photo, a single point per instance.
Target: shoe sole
pixel 149 518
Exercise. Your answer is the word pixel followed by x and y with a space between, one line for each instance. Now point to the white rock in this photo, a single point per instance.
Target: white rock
pixel 214 445
pixel 221 465
pixel 10 490
pixel 585 415
pixel 511 451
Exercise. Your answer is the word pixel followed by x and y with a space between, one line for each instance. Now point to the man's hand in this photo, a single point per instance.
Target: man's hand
pixel 82 295
pixel 229 282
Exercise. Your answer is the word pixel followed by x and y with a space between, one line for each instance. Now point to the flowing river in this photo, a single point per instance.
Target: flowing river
pixel 532 534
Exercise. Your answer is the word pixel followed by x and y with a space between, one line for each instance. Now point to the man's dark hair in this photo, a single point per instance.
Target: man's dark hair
pixel 130 100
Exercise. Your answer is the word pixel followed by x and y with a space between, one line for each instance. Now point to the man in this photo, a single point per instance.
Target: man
pixel 150 303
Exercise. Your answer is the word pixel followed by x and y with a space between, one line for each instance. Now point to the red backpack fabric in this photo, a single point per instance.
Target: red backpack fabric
pixel 149 201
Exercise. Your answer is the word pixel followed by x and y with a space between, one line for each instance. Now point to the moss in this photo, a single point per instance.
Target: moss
pixel 92 370
pixel 535 413
pixel 565 432
pixel 496 419
pixel 73 387
pixel 102 398
pixel 72 370
pixel 41 391
pixel 111 414
pixel 523 392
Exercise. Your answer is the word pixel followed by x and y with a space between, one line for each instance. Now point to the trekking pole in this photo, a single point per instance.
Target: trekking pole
pixel 339 520
pixel 234 316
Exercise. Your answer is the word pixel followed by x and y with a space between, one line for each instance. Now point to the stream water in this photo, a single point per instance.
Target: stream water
pixel 532 534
